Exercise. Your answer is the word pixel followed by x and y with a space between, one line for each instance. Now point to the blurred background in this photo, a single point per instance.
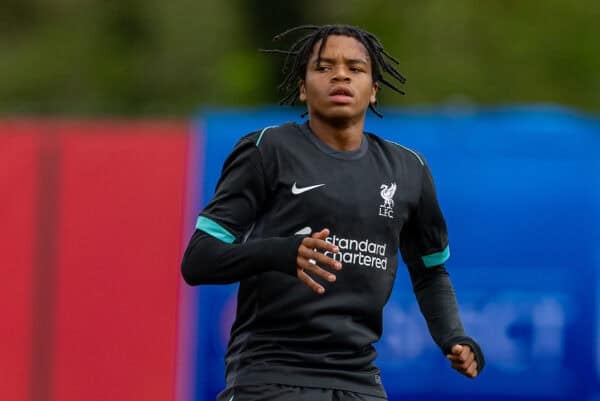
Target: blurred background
pixel 115 118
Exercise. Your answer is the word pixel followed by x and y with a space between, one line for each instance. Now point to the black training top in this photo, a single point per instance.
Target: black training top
pixel 279 185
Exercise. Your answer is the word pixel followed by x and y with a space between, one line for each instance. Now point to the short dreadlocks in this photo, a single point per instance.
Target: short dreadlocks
pixel 298 55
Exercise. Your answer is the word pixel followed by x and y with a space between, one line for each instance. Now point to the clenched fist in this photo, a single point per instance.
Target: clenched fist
pixel 463 360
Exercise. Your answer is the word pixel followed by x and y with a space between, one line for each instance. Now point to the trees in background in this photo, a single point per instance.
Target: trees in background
pixel 151 57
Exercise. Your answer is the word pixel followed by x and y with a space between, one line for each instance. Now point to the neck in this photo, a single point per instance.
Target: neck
pixel 344 136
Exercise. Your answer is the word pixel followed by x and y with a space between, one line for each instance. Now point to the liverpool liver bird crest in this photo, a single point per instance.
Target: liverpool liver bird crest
pixel 387 193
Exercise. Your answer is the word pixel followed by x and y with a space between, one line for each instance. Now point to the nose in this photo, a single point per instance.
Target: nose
pixel 340 74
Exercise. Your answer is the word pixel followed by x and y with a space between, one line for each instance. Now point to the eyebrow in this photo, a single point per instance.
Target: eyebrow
pixel 346 60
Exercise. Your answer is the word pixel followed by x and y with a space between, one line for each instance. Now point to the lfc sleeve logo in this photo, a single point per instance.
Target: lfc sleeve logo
pixel 387 193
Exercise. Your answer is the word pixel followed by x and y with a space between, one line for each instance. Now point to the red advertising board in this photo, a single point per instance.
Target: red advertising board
pixel 94 214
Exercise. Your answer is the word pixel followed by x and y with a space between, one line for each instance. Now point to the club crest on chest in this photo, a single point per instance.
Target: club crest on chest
pixel 386 209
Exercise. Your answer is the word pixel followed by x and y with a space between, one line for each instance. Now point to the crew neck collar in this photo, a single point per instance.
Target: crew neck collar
pixel 325 148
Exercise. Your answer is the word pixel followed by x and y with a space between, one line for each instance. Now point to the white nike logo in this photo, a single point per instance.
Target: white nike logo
pixel 304 231
pixel 298 191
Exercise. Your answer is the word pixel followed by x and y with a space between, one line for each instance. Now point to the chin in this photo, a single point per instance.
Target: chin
pixel 341 116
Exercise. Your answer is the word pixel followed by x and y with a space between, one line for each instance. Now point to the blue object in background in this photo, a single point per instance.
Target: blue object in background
pixel 520 189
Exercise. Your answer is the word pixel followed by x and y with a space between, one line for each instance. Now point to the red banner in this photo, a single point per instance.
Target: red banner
pixel 94 215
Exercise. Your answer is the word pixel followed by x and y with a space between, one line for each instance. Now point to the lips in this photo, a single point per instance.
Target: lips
pixel 340 95
pixel 340 91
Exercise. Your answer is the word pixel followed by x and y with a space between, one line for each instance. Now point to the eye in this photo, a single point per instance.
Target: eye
pixel 323 68
pixel 356 69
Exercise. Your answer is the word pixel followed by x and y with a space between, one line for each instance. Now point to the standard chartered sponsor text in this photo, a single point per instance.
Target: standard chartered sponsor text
pixel 363 253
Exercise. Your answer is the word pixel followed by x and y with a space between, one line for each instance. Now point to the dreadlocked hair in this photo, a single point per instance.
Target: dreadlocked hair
pixel 298 55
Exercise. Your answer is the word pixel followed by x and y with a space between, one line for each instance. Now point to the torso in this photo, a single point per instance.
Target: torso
pixel 281 324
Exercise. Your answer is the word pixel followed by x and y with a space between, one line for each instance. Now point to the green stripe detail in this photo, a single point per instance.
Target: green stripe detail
pixel 214 229
pixel 437 258
pixel 410 150
pixel 262 133
pixel 231 399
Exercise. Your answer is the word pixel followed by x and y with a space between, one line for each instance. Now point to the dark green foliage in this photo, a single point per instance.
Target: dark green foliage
pixel 171 58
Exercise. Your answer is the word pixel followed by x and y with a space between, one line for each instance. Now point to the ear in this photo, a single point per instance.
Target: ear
pixel 302 95
pixel 374 90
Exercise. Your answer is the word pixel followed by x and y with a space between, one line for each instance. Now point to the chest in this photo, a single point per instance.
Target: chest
pixel 368 194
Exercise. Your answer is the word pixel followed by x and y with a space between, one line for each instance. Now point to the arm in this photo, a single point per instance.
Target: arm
pixel 438 305
pixel 208 260
pixel 424 247
pixel 217 253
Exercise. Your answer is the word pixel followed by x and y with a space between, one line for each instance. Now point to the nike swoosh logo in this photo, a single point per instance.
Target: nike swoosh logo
pixel 298 191
pixel 304 231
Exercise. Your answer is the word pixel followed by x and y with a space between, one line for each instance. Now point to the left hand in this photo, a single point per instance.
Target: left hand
pixel 463 360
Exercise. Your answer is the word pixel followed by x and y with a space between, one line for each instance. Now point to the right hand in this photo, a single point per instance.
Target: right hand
pixel 310 258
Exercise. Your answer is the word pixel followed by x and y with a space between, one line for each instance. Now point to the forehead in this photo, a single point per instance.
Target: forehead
pixel 340 46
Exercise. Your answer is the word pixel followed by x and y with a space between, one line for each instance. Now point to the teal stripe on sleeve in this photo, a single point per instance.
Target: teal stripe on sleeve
pixel 214 229
pixel 437 258
pixel 410 150
pixel 262 133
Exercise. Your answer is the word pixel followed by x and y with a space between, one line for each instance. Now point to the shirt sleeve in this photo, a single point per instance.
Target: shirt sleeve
pixel 424 238
pixel 217 252
pixel 424 248
pixel 240 194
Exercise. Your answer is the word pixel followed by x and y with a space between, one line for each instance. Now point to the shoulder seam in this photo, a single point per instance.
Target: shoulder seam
pixel 409 149
pixel 262 133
